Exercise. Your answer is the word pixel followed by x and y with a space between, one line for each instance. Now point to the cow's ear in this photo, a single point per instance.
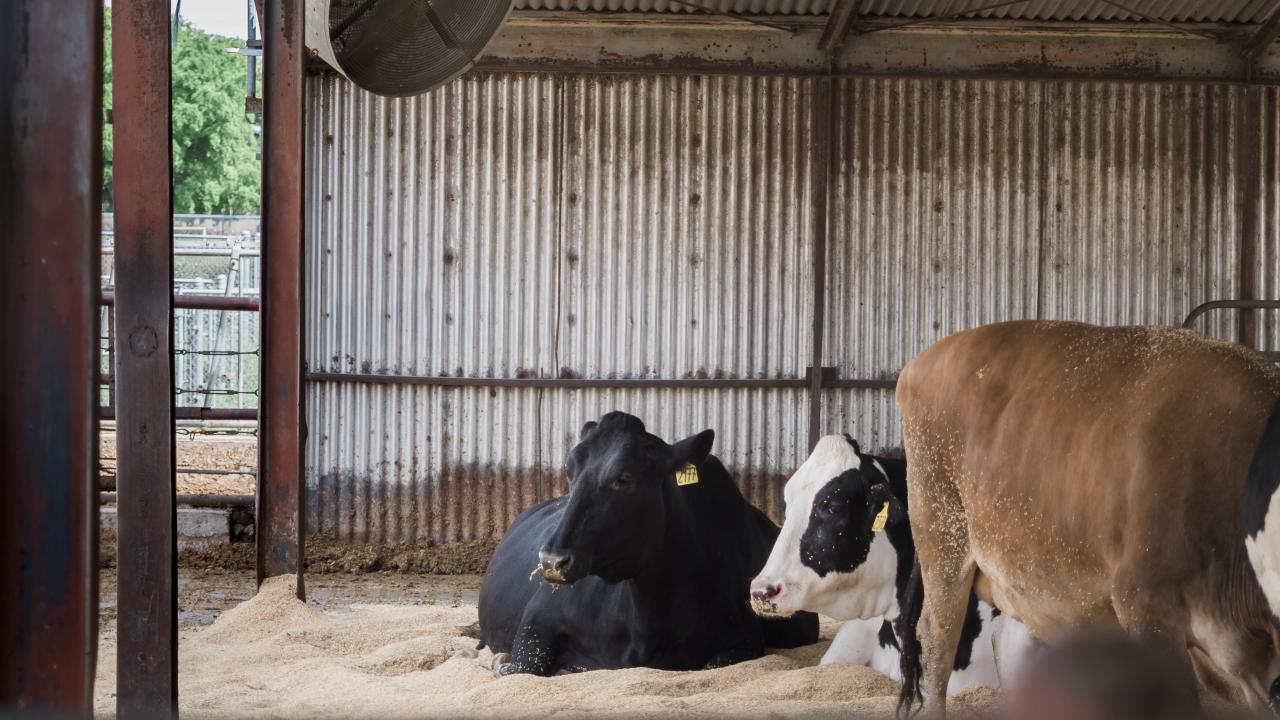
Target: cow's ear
pixel 879 494
pixel 693 449
pixel 854 443
pixel 586 430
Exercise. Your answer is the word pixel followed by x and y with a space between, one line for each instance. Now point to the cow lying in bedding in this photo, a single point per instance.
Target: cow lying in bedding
pixel 645 563
pixel 846 551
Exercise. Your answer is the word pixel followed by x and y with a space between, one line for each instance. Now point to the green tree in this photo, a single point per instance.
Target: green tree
pixel 216 165
pixel 108 176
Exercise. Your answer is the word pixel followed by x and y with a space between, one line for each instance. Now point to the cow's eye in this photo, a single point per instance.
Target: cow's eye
pixel 624 479
pixel 835 507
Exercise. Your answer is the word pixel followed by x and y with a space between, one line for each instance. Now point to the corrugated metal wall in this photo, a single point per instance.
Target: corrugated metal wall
pixel 610 226
pixel 541 226
pixel 958 203
pixel 1267 265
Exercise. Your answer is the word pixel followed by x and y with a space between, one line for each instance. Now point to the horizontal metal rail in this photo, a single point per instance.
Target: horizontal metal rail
pixel 201 302
pixel 108 412
pixel 1203 308
pixel 200 252
pixel 600 383
pixel 200 500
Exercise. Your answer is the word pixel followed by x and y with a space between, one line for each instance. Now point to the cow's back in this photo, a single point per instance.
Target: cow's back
pixel 1056 451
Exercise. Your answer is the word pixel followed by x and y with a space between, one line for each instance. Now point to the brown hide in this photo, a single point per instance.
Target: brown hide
pixel 1084 477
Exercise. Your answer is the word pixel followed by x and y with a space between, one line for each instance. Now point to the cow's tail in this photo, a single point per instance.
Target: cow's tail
pixel 909 640
pixel 1261 486
pixel 1264 475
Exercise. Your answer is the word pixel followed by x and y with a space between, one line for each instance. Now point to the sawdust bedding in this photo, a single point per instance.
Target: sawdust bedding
pixel 273 656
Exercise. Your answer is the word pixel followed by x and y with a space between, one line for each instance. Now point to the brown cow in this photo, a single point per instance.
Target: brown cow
pixel 1086 477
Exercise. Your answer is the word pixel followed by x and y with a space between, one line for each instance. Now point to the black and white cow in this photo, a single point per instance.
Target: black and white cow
pixel 646 562
pixel 846 551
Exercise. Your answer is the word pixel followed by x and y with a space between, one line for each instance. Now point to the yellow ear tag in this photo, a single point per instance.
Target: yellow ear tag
pixel 882 519
pixel 687 475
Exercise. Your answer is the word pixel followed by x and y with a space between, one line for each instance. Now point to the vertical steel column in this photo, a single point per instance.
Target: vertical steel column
pixel 147 654
pixel 50 179
pixel 280 417
pixel 820 166
pixel 1249 145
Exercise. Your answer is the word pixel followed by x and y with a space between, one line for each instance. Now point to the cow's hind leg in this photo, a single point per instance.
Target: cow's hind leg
pixel 1153 612
pixel 945 576
pixel 1246 658
pixel 946 593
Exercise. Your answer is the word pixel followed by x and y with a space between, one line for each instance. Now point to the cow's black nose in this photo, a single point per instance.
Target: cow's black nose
pixel 554 565
pixel 766 592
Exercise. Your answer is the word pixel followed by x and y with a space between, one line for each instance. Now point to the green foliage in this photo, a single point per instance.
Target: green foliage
pixel 108 176
pixel 215 150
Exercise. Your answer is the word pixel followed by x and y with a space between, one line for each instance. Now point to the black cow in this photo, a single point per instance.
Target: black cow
pixel 646 562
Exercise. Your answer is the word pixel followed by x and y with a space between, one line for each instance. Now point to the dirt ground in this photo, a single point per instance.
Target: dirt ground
pixel 398 645
pixel 233 453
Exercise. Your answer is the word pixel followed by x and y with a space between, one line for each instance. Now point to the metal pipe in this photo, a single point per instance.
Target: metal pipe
pixel 1203 308
pixel 197 252
pixel 202 302
pixel 199 500
pixel 281 496
pixel 194 413
pixel 50 155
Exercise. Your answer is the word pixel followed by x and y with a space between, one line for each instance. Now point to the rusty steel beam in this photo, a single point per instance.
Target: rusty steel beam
pixel 201 302
pixel 829 379
pixel 822 117
pixel 843 15
pixel 147 649
pixel 50 175
pixel 280 421
pixel 1261 39
pixel 565 383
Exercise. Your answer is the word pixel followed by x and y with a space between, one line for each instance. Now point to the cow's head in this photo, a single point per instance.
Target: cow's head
pixel 614 523
pixel 833 555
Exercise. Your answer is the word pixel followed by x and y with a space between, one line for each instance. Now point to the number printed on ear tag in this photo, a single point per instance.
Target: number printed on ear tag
pixel 687 475
pixel 882 519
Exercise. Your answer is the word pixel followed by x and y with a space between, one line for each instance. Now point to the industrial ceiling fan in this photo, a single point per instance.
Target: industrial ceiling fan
pixel 402 47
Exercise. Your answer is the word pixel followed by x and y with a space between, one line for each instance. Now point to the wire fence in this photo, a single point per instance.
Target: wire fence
pixel 216 352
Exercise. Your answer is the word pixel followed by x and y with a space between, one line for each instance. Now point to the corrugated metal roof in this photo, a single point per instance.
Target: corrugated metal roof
pixel 1231 11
